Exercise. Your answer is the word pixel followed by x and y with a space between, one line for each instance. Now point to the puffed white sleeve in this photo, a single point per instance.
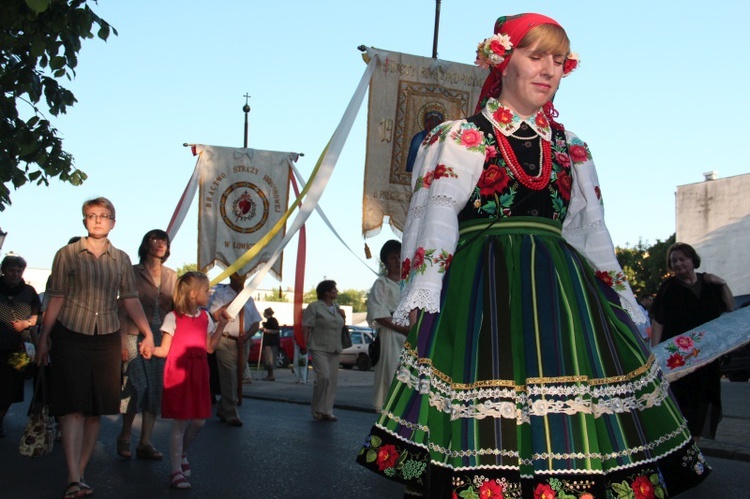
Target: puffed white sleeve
pixel 585 230
pixel 447 168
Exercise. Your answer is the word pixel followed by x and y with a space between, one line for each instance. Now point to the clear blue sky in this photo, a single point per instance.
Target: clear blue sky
pixel 660 97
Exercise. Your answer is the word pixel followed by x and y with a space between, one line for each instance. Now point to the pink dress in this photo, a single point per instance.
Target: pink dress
pixel 186 388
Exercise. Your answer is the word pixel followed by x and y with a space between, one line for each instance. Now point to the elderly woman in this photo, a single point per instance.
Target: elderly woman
pixel 79 336
pixel 521 375
pixel 686 300
pixel 322 323
pixel 381 303
pixel 19 310
pixel 143 380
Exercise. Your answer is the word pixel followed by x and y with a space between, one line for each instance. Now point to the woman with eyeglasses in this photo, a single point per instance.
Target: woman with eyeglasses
pixel 79 337
pixel 143 380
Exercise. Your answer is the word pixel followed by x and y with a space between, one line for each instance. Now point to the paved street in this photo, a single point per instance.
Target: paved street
pixel 282 452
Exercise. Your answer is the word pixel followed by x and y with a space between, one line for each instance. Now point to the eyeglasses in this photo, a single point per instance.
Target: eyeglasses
pixel 93 217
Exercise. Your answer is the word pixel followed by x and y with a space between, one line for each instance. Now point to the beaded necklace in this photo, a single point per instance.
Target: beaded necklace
pixel 536 182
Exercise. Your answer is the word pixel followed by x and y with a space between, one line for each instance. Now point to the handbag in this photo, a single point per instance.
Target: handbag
pixel 374 350
pixel 346 339
pixel 39 435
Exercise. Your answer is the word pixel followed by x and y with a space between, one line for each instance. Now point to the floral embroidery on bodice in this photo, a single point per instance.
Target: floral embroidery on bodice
pixel 499 193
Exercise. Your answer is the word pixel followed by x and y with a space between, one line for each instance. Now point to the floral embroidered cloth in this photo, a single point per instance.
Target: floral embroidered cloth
pixel 686 352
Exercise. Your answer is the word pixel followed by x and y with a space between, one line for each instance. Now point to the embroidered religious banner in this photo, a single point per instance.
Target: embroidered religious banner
pixel 693 349
pixel 242 193
pixel 409 96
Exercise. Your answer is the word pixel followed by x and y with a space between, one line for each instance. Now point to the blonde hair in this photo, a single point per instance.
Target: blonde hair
pixel 551 39
pixel 100 201
pixel 190 281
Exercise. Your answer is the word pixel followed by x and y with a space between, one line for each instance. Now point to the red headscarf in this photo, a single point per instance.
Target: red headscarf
pixel 516 27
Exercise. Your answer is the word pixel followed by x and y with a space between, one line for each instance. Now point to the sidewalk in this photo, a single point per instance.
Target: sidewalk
pixel 355 394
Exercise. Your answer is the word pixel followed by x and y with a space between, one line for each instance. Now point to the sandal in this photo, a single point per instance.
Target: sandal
pixel 148 452
pixel 70 493
pixel 178 481
pixel 185 467
pixel 123 448
pixel 85 488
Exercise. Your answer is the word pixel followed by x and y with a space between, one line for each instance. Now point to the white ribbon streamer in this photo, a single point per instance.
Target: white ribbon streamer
pixel 328 163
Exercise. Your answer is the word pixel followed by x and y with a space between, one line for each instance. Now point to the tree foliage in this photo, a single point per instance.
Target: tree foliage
pixel 39 45
pixel 356 298
pixel 645 266
pixel 188 267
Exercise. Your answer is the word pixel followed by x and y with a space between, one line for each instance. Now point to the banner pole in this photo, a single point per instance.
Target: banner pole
pixel 437 29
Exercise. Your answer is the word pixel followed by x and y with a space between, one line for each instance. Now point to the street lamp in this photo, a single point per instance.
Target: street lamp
pixel 2 238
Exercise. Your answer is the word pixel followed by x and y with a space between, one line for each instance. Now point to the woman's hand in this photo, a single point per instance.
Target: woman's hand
pixel 20 326
pixel 146 347
pixel 714 279
pixel 42 352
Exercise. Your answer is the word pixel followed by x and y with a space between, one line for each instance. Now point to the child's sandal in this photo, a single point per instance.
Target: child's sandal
pixel 185 466
pixel 178 481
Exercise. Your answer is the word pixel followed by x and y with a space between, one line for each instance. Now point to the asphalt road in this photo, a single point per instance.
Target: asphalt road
pixel 280 452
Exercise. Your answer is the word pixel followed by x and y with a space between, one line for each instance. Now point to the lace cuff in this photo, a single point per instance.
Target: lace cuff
pixel 423 299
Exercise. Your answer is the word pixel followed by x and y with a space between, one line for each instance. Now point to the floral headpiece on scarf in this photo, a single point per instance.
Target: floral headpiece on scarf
pixel 495 52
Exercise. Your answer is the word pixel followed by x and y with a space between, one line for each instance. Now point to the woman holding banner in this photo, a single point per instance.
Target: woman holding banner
pixel 523 374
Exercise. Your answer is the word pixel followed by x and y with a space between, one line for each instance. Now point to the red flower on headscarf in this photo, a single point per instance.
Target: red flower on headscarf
pixel 569 65
pixel 562 159
pixel 605 277
pixel 544 491
pixel 405 267
pixel 490 490
pixel 493 179
pixel 471 137
pixel 431 138
pixel 490 153
pixel 675 360
pixel 503 115
pixel 387 456
pixel 598 192
pixel 578 153
pixel 427 179
pixel 564 184
pixel 643 488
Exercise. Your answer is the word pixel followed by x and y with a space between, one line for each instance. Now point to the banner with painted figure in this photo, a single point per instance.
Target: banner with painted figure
pixel 409 96
pixel 242 193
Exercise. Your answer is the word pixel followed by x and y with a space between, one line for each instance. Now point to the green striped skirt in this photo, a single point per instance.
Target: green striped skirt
pixel 530 382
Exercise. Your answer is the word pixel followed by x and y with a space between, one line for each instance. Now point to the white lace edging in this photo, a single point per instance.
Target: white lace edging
pixel 419 298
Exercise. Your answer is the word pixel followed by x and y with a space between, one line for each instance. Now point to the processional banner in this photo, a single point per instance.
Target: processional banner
pixel 409 96
pixel 243 193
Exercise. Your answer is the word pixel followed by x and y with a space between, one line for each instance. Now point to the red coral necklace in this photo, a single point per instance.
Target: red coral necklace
pixel 536 182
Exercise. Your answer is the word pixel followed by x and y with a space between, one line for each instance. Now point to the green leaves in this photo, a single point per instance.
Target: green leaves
pixel 39 44
pixel 38 6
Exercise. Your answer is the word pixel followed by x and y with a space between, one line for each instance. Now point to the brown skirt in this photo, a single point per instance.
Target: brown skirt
pixel 86 372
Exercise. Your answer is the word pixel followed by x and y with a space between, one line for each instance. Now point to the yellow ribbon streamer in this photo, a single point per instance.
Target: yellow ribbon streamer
pixel 258 247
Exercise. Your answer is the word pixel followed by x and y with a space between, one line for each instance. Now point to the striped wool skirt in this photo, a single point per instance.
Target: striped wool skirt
pixel 530 382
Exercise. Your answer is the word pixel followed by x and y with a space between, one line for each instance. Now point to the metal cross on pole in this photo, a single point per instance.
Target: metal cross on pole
pixel 246 109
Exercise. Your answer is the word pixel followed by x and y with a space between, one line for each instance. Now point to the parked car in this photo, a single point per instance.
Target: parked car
pixel 357 354
pixel 286 350
pixel 736 365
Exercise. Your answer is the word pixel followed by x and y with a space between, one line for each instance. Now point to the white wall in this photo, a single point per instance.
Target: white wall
pixel 713 216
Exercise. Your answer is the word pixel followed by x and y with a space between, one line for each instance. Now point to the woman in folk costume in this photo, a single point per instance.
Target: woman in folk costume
pixel 523 375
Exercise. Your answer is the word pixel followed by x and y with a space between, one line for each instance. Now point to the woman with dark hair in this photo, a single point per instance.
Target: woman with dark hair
pixel 143 378
pixel 686 300
pixel 381 303
pixel 523 374
pixel 322 322
pixel 79 336
pixel 19 312
pixel 271 342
